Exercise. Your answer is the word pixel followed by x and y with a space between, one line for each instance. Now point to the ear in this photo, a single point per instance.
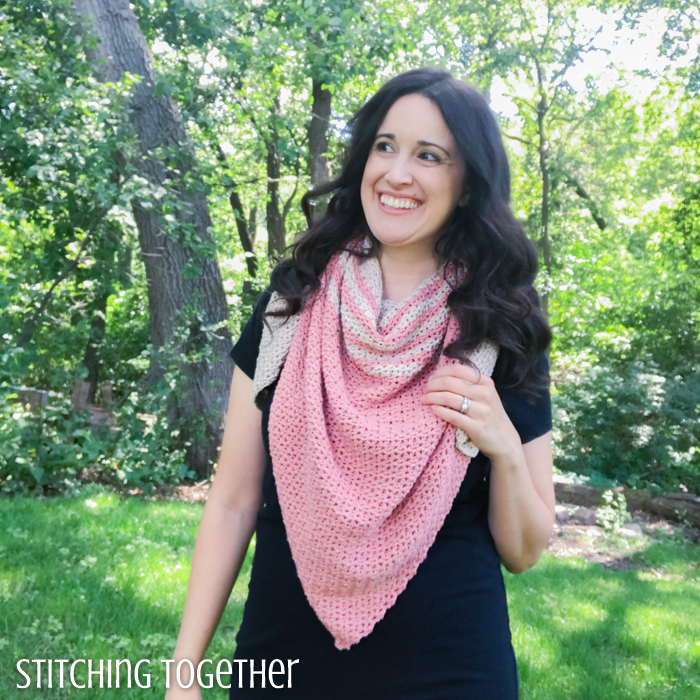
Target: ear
pixel 463 199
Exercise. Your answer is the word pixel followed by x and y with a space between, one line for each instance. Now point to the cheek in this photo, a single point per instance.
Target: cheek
pixel 452 189
pixel 442 190
pixel 369 179
pixel 374 170
pixel 365 194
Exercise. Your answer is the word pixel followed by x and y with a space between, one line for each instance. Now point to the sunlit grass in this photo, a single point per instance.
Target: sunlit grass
pixel 97 577
pixel 583 631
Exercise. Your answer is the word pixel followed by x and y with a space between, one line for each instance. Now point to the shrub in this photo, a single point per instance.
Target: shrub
pixel 631 423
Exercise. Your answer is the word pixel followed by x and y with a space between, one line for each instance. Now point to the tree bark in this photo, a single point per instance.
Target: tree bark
pixel 318 143
pixel 318 133
pixel 276 229
pixel 183 275
pixel 673 506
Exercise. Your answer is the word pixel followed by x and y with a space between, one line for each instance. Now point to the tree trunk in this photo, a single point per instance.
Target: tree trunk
pixel 184 281
pixel 276 229
pixel 104 273
pixel 318 134
pixel 245 235
pixel 246 231
pixel 318 143
pixel 672 506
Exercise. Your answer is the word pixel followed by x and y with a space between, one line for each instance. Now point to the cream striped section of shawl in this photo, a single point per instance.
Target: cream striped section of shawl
pixel 371 273
pixel 484 357
pixel 274 344
pixel 359 330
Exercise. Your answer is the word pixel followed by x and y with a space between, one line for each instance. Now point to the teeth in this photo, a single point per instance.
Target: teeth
pixel 388 201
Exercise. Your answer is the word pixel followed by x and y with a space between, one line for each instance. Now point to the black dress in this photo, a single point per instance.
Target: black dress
pixel 447 637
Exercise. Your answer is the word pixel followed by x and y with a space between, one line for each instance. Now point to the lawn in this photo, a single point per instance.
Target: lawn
pixel 99 577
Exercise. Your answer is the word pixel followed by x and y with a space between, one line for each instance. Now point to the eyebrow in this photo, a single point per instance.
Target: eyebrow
pixel 420 143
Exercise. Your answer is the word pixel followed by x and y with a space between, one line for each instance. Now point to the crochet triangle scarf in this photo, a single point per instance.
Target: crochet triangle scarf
pixel 365 472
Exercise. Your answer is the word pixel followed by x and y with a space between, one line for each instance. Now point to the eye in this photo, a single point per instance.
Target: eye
pixel 383 147
pixel 431 157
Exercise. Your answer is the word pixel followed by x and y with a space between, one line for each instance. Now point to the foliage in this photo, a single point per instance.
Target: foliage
pixel 616 153
pixel 613 514
pixel 629 422
pixel 50 449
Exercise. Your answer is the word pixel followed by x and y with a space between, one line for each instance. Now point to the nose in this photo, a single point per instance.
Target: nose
pixel 399 174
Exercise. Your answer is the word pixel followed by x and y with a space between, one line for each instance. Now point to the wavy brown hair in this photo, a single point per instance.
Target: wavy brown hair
pixel 497 300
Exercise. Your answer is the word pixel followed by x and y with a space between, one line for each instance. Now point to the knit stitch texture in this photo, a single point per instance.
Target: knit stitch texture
pixel 365 472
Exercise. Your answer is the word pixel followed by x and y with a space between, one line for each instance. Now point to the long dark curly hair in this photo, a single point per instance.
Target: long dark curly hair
pixel 497 299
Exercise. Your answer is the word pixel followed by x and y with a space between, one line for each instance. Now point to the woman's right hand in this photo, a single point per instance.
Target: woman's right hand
pixel 227 525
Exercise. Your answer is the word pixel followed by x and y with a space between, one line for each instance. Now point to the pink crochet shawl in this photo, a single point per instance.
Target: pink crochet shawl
pixel 365 472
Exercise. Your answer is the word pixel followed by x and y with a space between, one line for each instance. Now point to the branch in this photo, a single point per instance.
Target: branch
pixel 576 186
pixel 525 102
pixel 31 323
pixel 545 38
pixel 518 138
pixel 288 203
pixel 244 233
pixel 584 48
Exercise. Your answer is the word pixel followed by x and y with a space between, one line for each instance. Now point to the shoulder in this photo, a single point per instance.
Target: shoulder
pixel 531 416
pixel 245 352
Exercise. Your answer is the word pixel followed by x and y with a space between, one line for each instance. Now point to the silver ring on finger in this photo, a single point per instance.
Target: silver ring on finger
pixel 465 405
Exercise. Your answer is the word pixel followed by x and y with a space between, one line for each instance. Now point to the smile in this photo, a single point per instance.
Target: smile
pixel 394 203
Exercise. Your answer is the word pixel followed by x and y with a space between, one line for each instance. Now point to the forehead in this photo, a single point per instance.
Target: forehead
pixel 416 118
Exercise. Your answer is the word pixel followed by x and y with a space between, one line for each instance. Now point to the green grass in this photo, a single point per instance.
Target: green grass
pixel 99 577
pixel 584 632
pixel 96 577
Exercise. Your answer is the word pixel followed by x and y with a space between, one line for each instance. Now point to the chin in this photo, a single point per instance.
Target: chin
pixel 391 236
pixel 392 239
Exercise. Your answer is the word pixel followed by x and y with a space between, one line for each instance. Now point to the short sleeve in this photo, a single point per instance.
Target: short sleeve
pixel 245 352
pixel 531 418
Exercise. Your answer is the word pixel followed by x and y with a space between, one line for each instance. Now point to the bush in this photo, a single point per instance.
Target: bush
pixel 47 450
pixel 631 423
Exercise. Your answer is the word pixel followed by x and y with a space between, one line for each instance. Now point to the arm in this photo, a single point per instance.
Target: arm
pixel 521 494
pixel 225 531
pixel 521 503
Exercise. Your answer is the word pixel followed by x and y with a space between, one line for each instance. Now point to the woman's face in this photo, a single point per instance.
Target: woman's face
pixel 414 176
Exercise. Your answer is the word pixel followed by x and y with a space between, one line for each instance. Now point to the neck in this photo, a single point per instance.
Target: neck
pixel 403 270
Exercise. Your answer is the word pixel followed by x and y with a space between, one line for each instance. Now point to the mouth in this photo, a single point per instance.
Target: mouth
pixel 397 205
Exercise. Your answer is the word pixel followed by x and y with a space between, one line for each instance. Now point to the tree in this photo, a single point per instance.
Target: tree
pixel 187 304
pixel 531 47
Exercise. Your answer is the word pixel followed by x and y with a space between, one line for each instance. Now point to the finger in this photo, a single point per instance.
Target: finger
pixel 465 372
pixel 444 398
pixel 454 384
pixel 459 420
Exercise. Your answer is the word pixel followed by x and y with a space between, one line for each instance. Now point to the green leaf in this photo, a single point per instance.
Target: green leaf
pixel 163 88
pixel 192 269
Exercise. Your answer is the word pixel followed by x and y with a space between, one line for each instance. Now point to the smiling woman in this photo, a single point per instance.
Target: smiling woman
pixel 388 434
